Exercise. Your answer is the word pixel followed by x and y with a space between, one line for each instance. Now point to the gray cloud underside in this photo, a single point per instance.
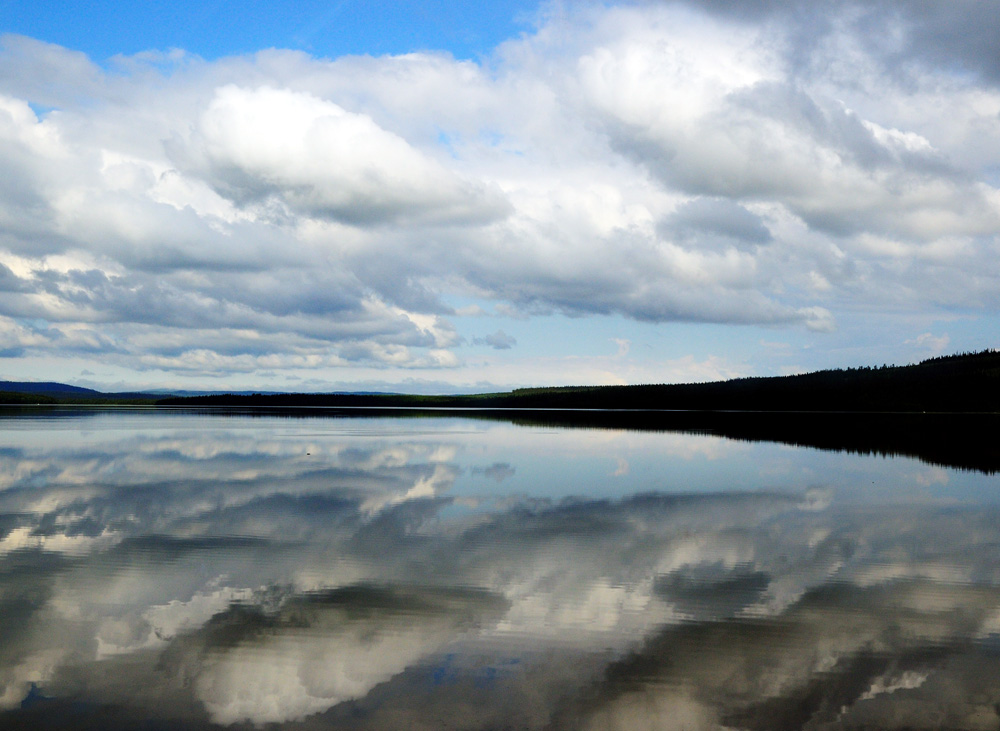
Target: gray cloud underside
pixel 766 162
pixel 498 341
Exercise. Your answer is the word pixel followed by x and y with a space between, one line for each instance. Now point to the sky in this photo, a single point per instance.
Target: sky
pixel 448 197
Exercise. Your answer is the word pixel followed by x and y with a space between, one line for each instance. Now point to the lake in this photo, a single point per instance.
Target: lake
pixel 172 569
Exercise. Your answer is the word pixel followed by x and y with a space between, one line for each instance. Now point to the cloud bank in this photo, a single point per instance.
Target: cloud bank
pixel 773 164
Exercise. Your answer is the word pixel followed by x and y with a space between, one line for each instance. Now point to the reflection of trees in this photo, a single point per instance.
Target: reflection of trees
pixel 965 441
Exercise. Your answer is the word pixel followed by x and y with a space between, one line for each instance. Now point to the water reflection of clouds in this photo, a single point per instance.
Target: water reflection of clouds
pixel 588 442
pixel 829 662
pixel 253 582
pixel 498 471
pixel 325 648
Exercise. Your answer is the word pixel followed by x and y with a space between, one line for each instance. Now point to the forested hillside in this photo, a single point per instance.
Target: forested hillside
pixel 957 383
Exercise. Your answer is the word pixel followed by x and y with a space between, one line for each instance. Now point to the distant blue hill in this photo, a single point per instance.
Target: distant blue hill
pixel 68 393
pixel 46 387
pixel 52 388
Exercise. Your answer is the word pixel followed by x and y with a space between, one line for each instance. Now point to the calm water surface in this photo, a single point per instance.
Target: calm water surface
pixel 176 570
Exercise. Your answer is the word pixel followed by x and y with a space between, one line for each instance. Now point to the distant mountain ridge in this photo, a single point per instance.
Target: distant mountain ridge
pixel 46 387
pixel 53 392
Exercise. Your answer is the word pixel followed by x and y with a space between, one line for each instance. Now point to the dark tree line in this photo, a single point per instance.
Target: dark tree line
pixel 968 382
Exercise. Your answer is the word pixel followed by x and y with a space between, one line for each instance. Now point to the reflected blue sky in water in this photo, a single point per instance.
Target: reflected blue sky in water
pixel 369 573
